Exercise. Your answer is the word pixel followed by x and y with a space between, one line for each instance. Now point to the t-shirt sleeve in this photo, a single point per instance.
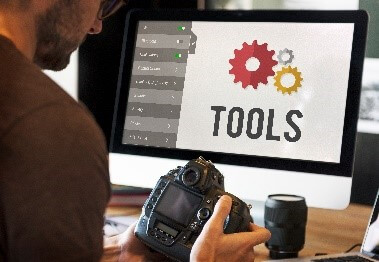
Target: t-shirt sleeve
pixel 55 186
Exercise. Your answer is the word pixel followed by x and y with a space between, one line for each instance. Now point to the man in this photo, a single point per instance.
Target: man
pixel 54 181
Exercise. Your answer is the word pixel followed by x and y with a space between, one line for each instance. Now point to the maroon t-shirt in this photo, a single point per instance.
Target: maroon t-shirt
pixel 54 180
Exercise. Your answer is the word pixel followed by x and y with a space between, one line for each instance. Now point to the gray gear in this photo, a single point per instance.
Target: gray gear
pixel 285 51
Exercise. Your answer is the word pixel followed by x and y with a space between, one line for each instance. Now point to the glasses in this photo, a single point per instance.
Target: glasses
pixel 109 7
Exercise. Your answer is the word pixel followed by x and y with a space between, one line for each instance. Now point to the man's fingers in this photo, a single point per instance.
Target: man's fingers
pixel 133 226
pixel 260 234
pixel 263 233
pixel 221 211
pixel 257 236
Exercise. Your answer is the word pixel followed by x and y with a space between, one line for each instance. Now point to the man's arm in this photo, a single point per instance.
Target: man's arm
pixel 54 186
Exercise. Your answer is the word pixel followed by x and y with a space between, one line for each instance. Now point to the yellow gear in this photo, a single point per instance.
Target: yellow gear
pixel 288 70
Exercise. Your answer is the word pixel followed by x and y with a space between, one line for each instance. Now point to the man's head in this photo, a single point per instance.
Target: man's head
pixel 63 27
pixel 48 31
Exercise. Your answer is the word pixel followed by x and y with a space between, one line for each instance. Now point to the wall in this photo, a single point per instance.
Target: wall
pixel 68 78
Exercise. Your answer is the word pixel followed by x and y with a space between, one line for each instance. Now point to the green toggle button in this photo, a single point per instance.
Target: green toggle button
pixel 181 28
pixel 177 55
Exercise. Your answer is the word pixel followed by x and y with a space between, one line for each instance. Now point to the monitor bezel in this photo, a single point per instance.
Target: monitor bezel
pixel 359 18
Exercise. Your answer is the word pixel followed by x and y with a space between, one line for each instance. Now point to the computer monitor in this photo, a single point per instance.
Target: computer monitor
pixel 271 97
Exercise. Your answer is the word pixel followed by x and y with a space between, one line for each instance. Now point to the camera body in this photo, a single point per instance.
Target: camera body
pixel 179 206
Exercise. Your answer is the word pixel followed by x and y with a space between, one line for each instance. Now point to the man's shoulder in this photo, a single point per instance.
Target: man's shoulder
pixel 40 124
pixel 56 123
pixel 26 91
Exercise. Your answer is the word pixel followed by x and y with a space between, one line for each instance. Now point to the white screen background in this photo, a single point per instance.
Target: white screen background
pixel 322 55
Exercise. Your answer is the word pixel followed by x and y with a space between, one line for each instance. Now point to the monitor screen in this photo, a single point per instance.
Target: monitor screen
pixel 250 88
pixel 270 97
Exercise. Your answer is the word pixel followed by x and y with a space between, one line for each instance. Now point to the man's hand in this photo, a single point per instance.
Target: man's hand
pixel 214 245
pixel 127 247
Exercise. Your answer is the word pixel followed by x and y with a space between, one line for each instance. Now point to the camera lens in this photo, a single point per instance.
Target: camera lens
pixel 191 176
pixel 286 217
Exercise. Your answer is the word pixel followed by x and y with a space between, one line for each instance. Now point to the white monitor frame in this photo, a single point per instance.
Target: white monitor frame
pixel 245 182
pixel 325 185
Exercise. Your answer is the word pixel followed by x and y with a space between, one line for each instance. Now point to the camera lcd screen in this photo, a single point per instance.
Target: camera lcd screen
pixel 178 205
pixel 167 229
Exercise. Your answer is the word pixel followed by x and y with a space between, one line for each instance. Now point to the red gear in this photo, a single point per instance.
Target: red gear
pixel 253 78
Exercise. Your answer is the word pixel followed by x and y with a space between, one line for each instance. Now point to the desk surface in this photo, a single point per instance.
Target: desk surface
pixel 328 231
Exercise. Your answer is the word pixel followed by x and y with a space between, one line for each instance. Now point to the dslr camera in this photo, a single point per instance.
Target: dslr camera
pixel 181 203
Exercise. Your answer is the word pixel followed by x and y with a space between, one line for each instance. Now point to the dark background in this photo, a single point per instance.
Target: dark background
pixel 99 59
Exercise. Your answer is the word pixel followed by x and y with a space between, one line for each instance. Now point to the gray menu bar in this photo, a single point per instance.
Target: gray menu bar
pixel 158 82
pixel 152 96
pixel 161 55
pixel 159 68
pixel 165 28
pixel 163 41
pixel 153 110
pixel 161 125
pixel 149 138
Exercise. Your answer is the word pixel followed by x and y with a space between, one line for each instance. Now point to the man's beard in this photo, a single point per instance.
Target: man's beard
pixel 54 47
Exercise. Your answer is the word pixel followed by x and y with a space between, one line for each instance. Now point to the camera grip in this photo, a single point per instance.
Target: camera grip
pixel 239 217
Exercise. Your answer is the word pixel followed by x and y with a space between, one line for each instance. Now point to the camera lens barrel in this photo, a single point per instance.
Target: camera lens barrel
pixel 286 217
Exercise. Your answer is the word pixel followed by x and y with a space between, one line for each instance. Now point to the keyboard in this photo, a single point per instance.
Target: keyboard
pixel 343 259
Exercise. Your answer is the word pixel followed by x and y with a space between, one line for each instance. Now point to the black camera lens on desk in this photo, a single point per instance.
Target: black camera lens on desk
pixel 285 217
